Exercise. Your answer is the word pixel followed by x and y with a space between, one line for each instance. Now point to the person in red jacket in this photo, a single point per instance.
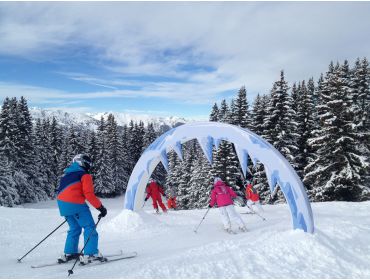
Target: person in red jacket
pixel 253 199
pixel 154 190
pixel 171 200
pixel 222 195
pixel 76 186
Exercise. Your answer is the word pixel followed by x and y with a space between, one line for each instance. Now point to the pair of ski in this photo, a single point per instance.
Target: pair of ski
pixel 120 255
pixel 235 232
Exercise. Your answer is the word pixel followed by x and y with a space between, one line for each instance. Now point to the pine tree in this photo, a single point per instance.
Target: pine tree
pixel 259 179
pixel 104 185
pixel 55 139
pixel 241 116
pixel 8 192
pixel 339 166
pixel 305 122
pixel 149 136
pixel 201 181
pixel 115 155
pixel 183 192
pixel 258 115
pixel 214 113
pixel 8 125
pixel 43 157
pixel 24 142
pixel 279 124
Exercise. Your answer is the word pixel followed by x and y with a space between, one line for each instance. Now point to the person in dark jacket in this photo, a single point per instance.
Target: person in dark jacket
pixel 76 186
pixel 154 190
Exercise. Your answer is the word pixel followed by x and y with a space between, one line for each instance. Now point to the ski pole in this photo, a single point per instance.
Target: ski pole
pixel 202 220
pixel 254 212
pixel 143 204
pixel 20 259
pixel 71 270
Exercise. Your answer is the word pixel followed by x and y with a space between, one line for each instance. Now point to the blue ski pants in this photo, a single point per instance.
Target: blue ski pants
pixel 76 222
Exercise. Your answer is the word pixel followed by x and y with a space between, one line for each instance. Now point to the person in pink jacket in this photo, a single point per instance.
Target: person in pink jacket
pixel 222 195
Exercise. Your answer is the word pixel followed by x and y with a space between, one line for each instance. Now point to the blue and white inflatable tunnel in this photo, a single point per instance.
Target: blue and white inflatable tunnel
pixel 209 134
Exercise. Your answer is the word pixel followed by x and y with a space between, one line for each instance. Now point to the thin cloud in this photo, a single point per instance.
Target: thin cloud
pixel 243 43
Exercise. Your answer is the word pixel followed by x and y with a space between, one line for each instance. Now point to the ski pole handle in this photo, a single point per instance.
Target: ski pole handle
pixel 20 259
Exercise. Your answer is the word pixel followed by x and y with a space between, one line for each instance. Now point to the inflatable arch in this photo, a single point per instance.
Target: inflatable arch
pixel 209 134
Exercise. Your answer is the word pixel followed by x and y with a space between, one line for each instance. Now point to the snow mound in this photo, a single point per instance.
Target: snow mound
pixel 129 221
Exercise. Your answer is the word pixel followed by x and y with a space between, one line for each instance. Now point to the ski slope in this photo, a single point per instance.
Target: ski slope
pixel 168 247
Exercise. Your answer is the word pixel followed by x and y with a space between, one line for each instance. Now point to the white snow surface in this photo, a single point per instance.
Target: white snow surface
pixel 168 247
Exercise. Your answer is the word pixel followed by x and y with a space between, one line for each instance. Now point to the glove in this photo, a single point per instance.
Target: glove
pixel 146 198
pixel 103 211
pixel 209 206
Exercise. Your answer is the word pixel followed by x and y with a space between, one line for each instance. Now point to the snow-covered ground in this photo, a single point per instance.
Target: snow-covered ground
pixel 168 248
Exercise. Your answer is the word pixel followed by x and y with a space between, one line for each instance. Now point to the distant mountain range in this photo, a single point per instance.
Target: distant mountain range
pixel 91 120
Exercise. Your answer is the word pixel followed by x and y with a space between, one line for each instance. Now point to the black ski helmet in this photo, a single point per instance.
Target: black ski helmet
pixel 84 161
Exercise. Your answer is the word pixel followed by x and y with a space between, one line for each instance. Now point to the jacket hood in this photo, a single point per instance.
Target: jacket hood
pixel 74 167
pixel 219 184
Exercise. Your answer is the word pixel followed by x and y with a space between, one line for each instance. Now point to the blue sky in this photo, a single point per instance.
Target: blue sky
pixel 169 58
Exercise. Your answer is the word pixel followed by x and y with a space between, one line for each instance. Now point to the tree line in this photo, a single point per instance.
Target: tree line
pixel 33 155
pixel 322 127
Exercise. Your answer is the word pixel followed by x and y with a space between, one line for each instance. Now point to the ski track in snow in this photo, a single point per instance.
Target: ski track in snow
pixel 168 247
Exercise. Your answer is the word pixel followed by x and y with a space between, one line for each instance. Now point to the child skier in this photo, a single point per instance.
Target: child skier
pixel 222 194
pixel 171 201
pixel 75 187
pixel 154 190
pixel 252 197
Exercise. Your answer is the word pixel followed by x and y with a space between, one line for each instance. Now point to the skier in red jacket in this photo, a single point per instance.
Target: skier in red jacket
pixel 252 197
pixel 154 190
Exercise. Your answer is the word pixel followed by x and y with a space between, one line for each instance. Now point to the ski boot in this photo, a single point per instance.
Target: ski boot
pixel 243 229
pixel 67 257
pixel 229 230
pixel 86 259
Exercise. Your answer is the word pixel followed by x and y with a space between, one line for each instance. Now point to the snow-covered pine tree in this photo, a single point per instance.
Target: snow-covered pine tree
pixel 214 113
pixel 8 191
pixel 258 115
pixel 8 131
pixel 104 185
pixel 305 126
pixel 75 145
pixel 136 142
pixel 24 142
pixel 55 138
pixel 149 136
pixel 360 92
pixel 259 179
pixel 172 178
pixel 43 157
pixel 92 150
pixel 240 112
pixel 201 181
pixel 336 173
pixel 126 159
pixel 280 124
pixel 115 155
pixel 183 192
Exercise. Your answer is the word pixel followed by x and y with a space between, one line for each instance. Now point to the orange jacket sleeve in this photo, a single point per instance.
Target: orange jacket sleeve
pixel 88 191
